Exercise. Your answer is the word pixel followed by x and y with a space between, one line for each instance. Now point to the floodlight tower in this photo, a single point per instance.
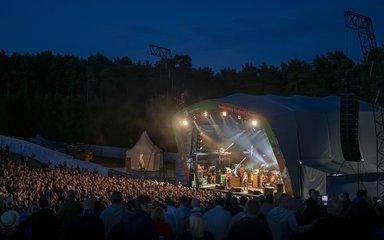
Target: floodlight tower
pixel 165 55
pixel 379 127
pixel 364 28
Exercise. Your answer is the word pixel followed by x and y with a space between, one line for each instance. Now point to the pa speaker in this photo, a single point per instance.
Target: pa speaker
pixel 349 127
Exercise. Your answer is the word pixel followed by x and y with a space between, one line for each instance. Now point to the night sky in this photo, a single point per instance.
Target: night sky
pixel 216 34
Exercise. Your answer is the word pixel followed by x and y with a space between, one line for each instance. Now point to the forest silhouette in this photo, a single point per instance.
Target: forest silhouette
pixel 111 102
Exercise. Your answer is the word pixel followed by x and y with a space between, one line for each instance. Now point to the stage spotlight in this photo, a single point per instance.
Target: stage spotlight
pixel 184 122
pixel 205 114
pixel 199 146
pixel 238 117
pixel 254 123
pixel 194 117
pixel 224 113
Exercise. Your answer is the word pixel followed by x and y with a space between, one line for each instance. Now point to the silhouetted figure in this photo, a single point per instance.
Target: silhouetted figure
pixel 87 225
pixel 114 213
pixel 44 223
pixel 346 201
pixel 138 224
pixel 333 222
pixel 218 220
pixel 362 214
pixel 250 226
pixel 67 211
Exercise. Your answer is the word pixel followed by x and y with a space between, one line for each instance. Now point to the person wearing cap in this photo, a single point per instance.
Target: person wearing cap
pixel 9 226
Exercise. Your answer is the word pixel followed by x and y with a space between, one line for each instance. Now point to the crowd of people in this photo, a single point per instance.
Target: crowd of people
pixel 69 203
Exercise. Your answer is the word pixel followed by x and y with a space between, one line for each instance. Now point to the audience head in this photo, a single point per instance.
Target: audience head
pixel 269 198
pixel 3 205
pixel 228 195
pixel 143 203
pixel 285 200
pixel 169 201
pixel 89 204
pixel 130 200
pixel 345 196
pixel 243 200
pixel 158 214
pixel 252 208
pixel 116 197
pixel 184 200
pixel 71 194
pixel 219 201
pixel 43 202
pixel 315 195
pixel 195 203
pixel 32 208
pixel 361 193
pixel 9 222
pixel 334 206
pixel 196 224
pixel 310 192
pixel 234 201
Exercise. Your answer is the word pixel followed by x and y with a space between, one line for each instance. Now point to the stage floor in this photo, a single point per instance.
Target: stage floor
pixel 235 190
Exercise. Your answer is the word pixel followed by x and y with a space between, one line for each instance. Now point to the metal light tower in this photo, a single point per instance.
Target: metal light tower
pixel 165 55
pixel 364 28
pixel 379 127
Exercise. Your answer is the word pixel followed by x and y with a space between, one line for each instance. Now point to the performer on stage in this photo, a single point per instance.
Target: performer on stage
pixel 211 176
pixel 228 178
pixel 264 180
pixel 245 181
pixel 241 174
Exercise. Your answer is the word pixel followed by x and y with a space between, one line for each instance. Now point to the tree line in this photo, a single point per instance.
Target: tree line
pixel 111 102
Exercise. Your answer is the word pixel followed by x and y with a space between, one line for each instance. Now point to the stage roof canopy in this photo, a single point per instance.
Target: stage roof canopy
pixel 308 129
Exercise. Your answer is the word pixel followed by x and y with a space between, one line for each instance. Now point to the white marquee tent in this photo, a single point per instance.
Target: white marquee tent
pixel 145 155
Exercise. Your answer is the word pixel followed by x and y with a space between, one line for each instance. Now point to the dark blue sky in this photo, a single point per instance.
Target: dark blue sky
pixel 216 34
